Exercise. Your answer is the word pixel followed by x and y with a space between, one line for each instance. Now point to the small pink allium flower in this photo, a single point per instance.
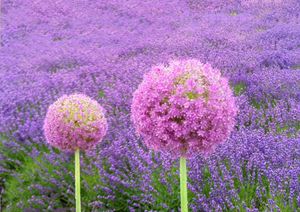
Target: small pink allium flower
pixel 75 122
pixel 184 108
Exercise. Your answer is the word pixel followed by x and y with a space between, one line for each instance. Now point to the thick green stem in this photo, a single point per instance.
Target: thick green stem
pixel 183 185
pixel 77 180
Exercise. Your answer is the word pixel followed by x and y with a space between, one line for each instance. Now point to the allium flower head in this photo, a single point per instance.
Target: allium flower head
pixel 184 108
pixel 75 121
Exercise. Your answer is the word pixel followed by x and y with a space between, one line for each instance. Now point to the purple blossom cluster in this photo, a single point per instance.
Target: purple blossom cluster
pixel 75 122
pixel 184 108
pixel 103 49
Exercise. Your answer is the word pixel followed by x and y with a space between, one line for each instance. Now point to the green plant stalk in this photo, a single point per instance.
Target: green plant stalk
pixel 183 185
pixel 77 180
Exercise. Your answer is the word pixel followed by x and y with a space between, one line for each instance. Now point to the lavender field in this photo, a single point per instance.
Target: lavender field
pixel 102 49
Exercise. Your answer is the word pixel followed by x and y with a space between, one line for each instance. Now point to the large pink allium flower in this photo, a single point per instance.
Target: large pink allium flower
pixel 75 122
pixel 184 108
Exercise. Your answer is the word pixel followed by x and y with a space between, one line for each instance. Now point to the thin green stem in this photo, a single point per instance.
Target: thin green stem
pixel 183 185
pixel 77 180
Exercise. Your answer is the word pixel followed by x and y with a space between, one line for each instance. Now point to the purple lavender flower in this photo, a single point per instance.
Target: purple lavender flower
pixel 75 122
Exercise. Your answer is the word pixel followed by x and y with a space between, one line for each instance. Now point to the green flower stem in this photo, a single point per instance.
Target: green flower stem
pixel 183 185
pixel 77 180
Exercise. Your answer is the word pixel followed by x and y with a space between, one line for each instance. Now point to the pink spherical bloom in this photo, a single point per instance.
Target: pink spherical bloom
pixel 75 122
pixel 184 108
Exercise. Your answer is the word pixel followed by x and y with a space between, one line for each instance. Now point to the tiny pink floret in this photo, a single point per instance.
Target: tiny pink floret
pixel 184 108
pixel 75 122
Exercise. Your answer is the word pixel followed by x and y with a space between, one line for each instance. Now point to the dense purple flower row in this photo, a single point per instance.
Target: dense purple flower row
pixel 102 49
pixel 273 157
